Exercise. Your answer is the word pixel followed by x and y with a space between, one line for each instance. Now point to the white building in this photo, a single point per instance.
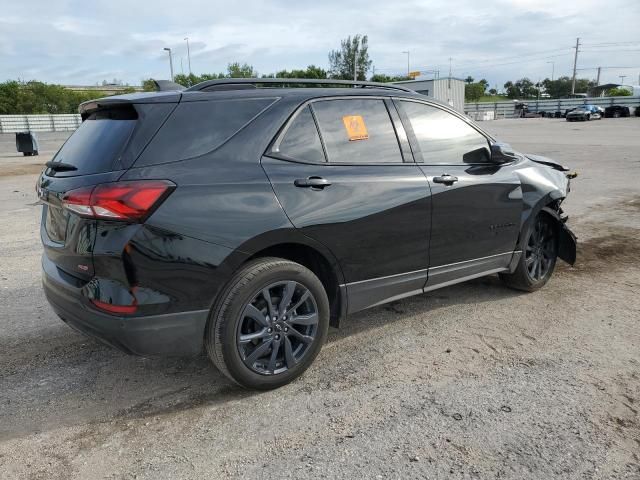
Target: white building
pixel 448 90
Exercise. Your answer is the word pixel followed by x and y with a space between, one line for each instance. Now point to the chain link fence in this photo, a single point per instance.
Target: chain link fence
pixel 507 109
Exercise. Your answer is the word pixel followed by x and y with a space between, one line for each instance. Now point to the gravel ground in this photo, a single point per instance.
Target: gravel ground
pixel 471 381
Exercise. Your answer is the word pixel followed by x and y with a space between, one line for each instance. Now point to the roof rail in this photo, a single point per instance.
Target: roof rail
pixel 224 84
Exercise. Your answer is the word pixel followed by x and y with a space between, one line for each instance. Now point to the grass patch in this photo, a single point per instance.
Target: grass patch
pixel 493 98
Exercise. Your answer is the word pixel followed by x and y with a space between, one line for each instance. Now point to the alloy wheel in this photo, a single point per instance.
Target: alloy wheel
pixel 540 252
pixel 277 327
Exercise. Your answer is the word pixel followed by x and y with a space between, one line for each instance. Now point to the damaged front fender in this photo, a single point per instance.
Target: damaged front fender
pixel 567 243
pixel 545 184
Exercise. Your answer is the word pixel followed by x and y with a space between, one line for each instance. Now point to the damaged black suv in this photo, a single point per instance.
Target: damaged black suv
pixel 248 218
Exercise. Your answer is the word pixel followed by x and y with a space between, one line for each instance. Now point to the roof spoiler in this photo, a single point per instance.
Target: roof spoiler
pixel 167 85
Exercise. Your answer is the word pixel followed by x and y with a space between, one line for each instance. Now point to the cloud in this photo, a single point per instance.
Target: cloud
pixel 69 41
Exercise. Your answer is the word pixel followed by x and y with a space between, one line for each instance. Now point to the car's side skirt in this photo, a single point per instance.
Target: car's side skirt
pixel 377 291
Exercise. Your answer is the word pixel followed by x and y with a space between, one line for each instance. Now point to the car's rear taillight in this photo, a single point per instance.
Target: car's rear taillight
pixel 115 309
pixel 129 201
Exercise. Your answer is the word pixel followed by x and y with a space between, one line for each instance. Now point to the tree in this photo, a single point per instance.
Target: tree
pixel 484 83
pixel 17 97
pixel 523 88
pixel 382 78
pixel 148 85
pixel 511 90
pixel 561 87
pixel 235 70
pixel 618 92
pixel 310 72
pixel 473 91
pixel 341 62
pixel 493 91
pixel 468 80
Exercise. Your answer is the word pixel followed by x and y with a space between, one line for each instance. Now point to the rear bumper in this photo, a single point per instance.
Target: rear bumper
pixel 168 334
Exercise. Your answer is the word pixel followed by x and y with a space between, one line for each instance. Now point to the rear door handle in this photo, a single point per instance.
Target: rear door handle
pixel 312 182
pixel 446 179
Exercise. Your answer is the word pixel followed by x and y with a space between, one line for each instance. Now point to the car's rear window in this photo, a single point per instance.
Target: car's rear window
pixel 196 128
pixel 96 146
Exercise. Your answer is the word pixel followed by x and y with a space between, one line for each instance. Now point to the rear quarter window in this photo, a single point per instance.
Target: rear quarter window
pixel 197 128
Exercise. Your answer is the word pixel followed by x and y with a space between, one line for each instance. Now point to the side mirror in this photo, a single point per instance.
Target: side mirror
pixel 502 153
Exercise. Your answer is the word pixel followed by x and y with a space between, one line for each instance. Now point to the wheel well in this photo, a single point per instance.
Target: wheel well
pixel 318 264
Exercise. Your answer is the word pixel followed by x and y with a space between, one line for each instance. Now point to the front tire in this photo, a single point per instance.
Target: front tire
pixel 268 324
pixel 538 258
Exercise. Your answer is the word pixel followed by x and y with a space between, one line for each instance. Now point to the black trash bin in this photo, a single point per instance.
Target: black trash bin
pixel 27 143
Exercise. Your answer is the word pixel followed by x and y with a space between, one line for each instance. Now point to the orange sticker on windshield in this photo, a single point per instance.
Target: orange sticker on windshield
pixel 356 129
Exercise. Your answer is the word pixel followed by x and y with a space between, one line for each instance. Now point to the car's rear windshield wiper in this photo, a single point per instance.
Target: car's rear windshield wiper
pixel 61 166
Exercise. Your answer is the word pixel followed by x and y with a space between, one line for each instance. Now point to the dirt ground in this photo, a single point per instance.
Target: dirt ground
pixel 471 381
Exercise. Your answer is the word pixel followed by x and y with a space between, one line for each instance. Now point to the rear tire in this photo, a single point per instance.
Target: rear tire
pixel 270 304
pixel 538 258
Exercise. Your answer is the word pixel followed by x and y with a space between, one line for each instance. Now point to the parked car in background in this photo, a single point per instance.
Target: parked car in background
pixel 247 220
pixel 616 111
pixel 637 113
pixel 583 113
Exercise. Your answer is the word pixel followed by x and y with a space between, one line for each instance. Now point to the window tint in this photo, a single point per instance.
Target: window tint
pixel 196 128
pixel 357 131
pixel 443 137
pixel 96 145
pixel 301 141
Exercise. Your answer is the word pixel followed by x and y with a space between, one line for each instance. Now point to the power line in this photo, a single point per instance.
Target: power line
pixel 611 44
pixel 608 68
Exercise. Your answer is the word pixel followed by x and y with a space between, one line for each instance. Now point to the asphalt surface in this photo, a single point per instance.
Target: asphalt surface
pixel 471 381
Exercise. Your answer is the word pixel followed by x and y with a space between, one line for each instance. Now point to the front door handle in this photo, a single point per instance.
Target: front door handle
pixel 446 179
pixel 312 182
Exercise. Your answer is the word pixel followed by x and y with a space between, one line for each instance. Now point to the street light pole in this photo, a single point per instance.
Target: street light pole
pixel 170 61
pixel 188 54
pixel 553 68
pixel 408 69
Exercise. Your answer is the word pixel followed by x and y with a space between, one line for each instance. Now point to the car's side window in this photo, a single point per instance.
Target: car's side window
pixel 357 130
pixel 301 140
pixel 443 137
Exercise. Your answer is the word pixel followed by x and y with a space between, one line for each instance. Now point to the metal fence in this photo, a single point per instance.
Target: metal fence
pixel 507 109
pixel 39 123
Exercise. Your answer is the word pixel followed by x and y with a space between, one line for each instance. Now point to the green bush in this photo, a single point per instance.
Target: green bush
pixel 618 92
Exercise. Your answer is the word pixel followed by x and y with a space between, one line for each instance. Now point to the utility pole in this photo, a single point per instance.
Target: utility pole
pixel 408 70
pixel 170 61
pixel 598 77
pixel 355 64
pixel 575 65
pixel 622 77
pixel 553 68
pixel 188 54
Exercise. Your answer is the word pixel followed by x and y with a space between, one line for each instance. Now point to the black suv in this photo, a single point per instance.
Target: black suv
pixel 249 219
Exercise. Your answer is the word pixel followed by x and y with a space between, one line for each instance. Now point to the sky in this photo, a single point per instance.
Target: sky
pixel 85 42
